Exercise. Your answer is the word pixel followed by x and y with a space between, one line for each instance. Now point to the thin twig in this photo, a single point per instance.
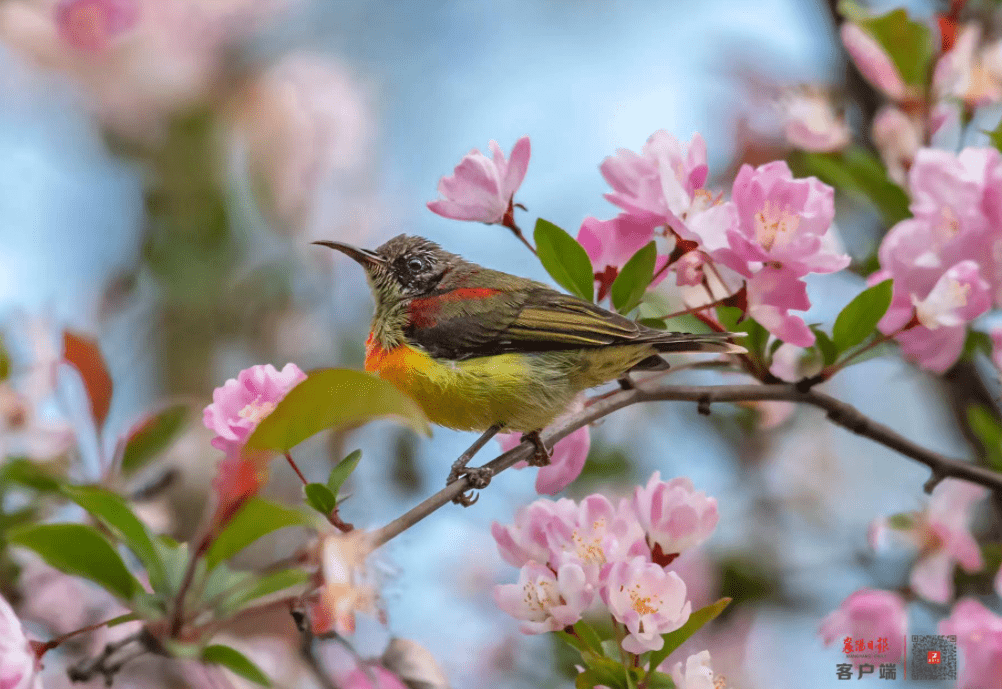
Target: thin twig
pixel 103 664
pixel 838 412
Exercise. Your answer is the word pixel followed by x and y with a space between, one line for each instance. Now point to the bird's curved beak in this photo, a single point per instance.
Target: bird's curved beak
pixel 363 256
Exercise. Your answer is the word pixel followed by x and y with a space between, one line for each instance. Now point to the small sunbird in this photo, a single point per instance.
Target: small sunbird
pixel 482 350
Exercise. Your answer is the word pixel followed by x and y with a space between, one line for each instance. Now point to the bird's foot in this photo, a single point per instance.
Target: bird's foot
pixel 541 458
pixel 478 478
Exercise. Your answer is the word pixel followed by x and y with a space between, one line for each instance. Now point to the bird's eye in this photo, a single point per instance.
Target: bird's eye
pixel 415 265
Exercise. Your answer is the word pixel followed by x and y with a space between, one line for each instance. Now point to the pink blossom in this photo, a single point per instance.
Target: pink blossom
pixel 599 533
pixel 698 673
pixel 567 458
pixel 647 599
pixel 19 667
pixel 898 137
pixel 942 535
pixel 873 61
pixel 611 243
pixel 167 60
pixel 528 538
pixel 781 235
pixel 346 588
pixel 964 73
pixel 783 220
pixel 543 601
pixel 957 298
pixel 481 189
pixel 662 180
pixel 372 677
pixel 979 638
pixel 956 201
pixel 869 614
pixel 308 128
pixel 812 123
pixel 91 25
pixel 674 516
pixel 589 534
pixel 242 402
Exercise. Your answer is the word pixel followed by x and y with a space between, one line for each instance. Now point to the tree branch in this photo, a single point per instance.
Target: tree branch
pixel 838 412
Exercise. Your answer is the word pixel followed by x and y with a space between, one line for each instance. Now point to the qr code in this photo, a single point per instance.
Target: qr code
pixel 933 657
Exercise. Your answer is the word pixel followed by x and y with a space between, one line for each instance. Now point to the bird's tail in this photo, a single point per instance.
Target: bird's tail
pixel 687 342
pixel 692 342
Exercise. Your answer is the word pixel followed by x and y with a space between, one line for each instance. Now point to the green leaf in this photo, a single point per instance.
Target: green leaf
pixel 589 636
pixel 984 424
pixel 633 280
pixel 758 336
pixel 320 498
pixel 255 519
pixel 977 341
pixel 235 661
pixel 81 551
pixel 901 521
pixel 151 436
pixel 696 620
pixel 908 43
pixel 729 317
pixel 564 259
pixel 860 317
pixel 4 360
pixel 264 586
pixel 175 557
pixel 656 323
pixel 659 680
pixel 995 136
pixel 827 348
pixel 857 172
pixel 601 670
pixel 333 398
pixel 26 473
pixel 112 511
pixel 341 472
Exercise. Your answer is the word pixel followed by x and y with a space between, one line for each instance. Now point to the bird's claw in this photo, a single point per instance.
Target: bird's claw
pixel 478 478
pixel 541 457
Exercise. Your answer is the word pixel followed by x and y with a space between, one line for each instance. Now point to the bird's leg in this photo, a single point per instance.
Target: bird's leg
pixel 542 456
pixel 478 477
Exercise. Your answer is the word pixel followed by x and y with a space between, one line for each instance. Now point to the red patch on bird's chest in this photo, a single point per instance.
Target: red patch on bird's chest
pixel 424 312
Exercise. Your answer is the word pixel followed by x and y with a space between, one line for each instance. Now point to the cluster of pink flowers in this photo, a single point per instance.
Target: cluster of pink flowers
pixel 942 535
pixel 577 558
pixel 946 261
pixel 773 231
pixel 238 406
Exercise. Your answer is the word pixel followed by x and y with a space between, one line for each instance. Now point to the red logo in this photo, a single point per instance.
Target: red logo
pixel 933 658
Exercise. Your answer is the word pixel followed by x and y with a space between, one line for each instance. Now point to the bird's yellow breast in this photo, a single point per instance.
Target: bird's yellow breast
pixel 518 390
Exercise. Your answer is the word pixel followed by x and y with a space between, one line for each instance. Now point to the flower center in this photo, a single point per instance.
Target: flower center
pixel 928 311
pixel 644 605
pixel 775 225
pixel 257 410
pixel 589 548
pixel 539 596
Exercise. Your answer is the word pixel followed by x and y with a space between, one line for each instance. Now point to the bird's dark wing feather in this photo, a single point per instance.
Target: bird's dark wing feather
pixel 533 319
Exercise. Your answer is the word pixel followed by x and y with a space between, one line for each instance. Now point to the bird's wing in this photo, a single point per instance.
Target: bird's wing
pixel 465 323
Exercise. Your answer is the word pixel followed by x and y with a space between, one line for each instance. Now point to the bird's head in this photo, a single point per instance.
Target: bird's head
pixel 402 269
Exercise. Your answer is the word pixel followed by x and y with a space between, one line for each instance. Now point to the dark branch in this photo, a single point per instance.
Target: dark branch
pixel 838 412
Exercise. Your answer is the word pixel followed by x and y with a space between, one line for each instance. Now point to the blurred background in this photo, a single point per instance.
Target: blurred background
pixel 165 164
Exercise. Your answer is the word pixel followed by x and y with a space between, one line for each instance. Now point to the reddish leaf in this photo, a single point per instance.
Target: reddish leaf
pixel 84 355
pixel 151 436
